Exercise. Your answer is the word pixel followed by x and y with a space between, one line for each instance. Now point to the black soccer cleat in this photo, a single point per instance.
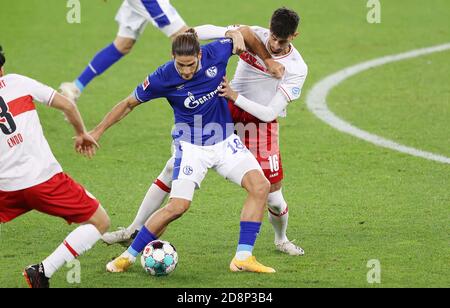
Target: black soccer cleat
pixel 35 277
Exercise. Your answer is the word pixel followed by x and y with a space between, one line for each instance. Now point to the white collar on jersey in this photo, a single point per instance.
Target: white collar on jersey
pixel 291 48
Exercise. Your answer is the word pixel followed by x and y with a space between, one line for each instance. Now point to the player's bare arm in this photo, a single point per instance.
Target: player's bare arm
pixel 119 112
pixel 239 44
pixel 255 45
pixel 244 39
pixel 84 143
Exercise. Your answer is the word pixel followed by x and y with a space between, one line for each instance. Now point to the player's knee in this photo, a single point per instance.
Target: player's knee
pixel 169 166
pixel 260 188
pixel 124 45
pixel 101 221
pixel 104 224
pixel 176 208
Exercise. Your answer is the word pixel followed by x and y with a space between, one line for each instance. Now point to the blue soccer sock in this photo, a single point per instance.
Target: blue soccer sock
pixel 143 238
pixel 101 62
pixel 249 233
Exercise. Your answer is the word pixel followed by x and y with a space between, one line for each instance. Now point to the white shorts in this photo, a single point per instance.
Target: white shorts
pixel 230 158
pixel 134 15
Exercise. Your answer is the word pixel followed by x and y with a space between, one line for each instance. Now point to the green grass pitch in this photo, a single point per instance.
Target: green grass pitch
pixel 349 200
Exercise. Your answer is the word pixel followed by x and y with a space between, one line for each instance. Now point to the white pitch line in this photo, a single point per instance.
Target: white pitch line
pixel 317 104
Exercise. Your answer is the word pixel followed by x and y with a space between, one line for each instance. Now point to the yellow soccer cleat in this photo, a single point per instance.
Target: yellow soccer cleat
pixel 249 265
pixel 119 265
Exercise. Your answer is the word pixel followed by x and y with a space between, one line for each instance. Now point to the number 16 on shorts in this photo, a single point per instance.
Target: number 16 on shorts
pixel 274 163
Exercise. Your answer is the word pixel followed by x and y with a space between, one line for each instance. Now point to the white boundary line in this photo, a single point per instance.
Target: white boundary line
pixel 317 104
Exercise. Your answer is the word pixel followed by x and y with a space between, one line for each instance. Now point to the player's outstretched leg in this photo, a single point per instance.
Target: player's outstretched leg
pixel 154 228
pixel 252 214
pixel 78 242
pixel 153 200
pixel 99 64
pixel 278 217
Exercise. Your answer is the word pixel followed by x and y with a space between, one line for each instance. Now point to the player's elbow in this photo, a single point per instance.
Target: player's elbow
pixel 131 103
pixel 245 30
pixel 68 107
pixel 269 116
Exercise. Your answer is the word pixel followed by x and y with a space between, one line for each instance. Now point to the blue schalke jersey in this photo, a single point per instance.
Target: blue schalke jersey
pixel 202 117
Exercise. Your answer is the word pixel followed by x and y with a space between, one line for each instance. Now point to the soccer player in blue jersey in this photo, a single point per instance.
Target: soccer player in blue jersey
pixel 204 138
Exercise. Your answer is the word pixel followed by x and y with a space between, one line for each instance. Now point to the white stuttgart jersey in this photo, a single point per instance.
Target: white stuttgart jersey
pixel 253 81
pixel 25 156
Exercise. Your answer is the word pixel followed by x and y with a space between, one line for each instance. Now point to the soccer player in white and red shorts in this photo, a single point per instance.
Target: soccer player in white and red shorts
pixel 257 100
pixel 261 100
pixel 32 179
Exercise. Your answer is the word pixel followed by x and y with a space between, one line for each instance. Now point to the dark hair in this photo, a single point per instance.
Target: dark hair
pixel 186 44
pixel 2 57
pixel 284 22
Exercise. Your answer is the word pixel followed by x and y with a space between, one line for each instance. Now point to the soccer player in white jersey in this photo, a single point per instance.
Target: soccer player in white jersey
pixel 32 179
pixel 132 17
pixel 263 98
pixel 257 100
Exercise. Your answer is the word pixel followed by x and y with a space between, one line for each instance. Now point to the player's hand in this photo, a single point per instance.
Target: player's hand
pixel 238 41
pixel 95 134
pixel 86 145
pixel 275 68
pixel 226 90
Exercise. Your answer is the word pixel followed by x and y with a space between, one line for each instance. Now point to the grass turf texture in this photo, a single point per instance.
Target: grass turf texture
pixel 349 200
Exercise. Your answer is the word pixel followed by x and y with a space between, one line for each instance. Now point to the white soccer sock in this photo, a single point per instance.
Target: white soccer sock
pixel 155 197
pixel 278 215
pixel 78 242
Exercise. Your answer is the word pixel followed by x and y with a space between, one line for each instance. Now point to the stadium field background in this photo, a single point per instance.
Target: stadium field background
pixel 350 201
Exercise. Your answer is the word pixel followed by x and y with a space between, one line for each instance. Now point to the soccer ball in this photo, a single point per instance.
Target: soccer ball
pixel 159 258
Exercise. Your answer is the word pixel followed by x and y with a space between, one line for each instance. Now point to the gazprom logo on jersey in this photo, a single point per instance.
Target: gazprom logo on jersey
pixel 211 72
pixel 191 102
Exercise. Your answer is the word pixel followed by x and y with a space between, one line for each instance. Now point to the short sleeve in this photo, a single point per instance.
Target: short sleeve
pixel 292 85
pixel 149 89
pixel 40 92
pixel 261 33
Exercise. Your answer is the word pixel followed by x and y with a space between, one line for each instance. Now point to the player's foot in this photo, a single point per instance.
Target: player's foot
pixel 249 265
pixel 290 248
pixel 70 90
pixel 35 277
pixel 122 236
pixel 119 265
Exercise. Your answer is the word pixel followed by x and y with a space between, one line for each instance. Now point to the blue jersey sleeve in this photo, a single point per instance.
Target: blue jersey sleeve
pixel 221 49
pixel 149 89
